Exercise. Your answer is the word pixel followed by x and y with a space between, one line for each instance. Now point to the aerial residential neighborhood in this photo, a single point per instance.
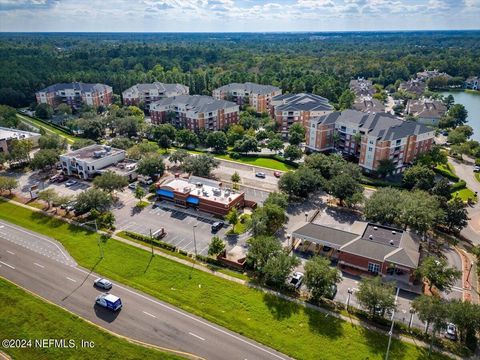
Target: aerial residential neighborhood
pixel 239 186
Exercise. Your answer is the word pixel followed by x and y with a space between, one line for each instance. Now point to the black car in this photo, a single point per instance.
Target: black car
pixel 217 226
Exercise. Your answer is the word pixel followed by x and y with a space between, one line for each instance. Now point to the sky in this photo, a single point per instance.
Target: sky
pixel 236 15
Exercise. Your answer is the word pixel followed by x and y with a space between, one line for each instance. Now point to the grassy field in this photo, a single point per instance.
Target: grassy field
pixel 49 129
pixel 292 329
pixel 243 224
pixel 259 161
pixel 24 316
pixel 465 194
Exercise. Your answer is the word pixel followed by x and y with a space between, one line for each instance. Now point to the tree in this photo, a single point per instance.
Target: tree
pixel 456 215
pixel 8 183
pixel 448 101
pixel 276 198
pixel 8 117
pixel 346 100
pixel 232 217
pixel 121 143
pixel 200 165
pixel 110 182
pixel 44 111
pixel 385 167
pixel 430 310
pixel 458 113
pixel 164 129
pixel 19 150
pixel 235 178
pixel 420 210
pixel 92 128
pixel 187 138
pixel 260 249
pixel 52 141
pixel 48 195
pixel 419 177
pixel 179 156
pixel 63 109
pixel 292 152
pixel 345 188
pixel 442 190
pixel 142 149
pixel 216 246
pixel 44 158
pixel 279 265
pixel 466 316
pixel 218 141
pixel 81 143
pixel 296 134
pixel 384 206
pixel 267 219
pixel 151 165
pixel 300 183
pixel 275 144
pixel 93 199
pixel 320 277
pixel 438 274
pixel 376 296
pixel 235 133
pixel 139 192
pixel 246 145
pixel 164 142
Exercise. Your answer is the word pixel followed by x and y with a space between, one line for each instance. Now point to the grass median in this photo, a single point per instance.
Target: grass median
pixel 292 329
pixel 24 316
pixel 49 129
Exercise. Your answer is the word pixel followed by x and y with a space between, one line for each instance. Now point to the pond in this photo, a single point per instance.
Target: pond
pixel 472 104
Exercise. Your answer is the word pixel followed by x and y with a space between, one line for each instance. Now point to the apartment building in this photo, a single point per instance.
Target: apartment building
pixel 430 74
pixel 288 109
pixel 427 111
pixel 195 112
pixel 473 83
pixel 370 138
pixel 256 95
pixel 75 95
pixel 148 93
pixel 414 86
pixel 91 160
pixel 368 104
pixel 362 87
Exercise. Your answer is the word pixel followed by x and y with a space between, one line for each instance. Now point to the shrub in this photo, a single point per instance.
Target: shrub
pixel 458 186
pixel 446 173
pixel 148 240
pixel 235 155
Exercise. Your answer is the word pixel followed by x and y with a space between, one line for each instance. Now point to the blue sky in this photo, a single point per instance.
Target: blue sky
pixel 237 15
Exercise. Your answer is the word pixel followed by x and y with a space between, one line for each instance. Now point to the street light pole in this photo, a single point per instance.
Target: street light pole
pixel 390 333
pixel 194 240
pixel 469 270
pixel 151 240
pixel 412 311
pixel 350 291
pixel 306 217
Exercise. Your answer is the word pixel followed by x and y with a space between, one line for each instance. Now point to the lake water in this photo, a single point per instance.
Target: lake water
pixel 472 104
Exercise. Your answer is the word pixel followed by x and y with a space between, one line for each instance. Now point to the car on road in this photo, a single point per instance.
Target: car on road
pixel 277 174
pixel 103 283
pixel 109 301
pixel 70 183
pixel 260 175
pixel 451 332
pixel 296 279
pixel 476 168
pixel 217 225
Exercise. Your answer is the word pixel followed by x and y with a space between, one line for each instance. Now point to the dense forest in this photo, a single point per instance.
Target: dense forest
pixel 322 63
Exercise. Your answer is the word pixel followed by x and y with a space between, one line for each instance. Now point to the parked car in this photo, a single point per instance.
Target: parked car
pixel 296 279
pixel 216 226
pixel 132 186
pixel 451 332
pixel 70 183
pixel 103 283
pixel 476 168
pixel 333 291
pixel 277 174
pixel 260 175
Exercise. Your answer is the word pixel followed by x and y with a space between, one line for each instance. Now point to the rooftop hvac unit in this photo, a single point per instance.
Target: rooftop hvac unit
pixel 370 237
pixel 394 232
pixel 375 228
pixel 107 148
pixel 392 242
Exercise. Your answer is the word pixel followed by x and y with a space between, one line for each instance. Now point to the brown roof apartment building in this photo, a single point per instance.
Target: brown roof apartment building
pixel 258 95
pixel 427 111
pixel 195 112
pixel 370 137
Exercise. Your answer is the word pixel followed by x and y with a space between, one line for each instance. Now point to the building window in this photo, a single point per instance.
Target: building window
pixel 373 268
pixel 370 142
pixel 370 149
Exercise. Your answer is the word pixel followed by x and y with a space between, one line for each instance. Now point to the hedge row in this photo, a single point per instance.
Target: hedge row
pixel 58 127
pixel 379 183
pixel 458 186
pixel 148 239
pixel 446 173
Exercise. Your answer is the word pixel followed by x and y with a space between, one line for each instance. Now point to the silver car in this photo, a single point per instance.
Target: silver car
pixel 103 283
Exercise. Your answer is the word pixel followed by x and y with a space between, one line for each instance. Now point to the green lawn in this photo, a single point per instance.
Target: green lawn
pixel 242 225
pixel 447 169
pixel 49 129
pixel 24 316
pixel 259 161
pixel 464 194
pixel 292 329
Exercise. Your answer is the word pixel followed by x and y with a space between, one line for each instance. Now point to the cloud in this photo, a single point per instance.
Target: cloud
pixel 9 5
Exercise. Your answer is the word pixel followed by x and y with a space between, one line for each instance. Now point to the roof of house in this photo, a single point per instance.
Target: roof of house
pixel 362 86
pixel 415 86
pixel 368 104
pixel 93 152
pixel 381 125
pixel 302 102
pixel 426 108
pixel 260 89
pixel 196 103
pixel 78 86
pixel 324 234
pixel 428 74
pixel 162 88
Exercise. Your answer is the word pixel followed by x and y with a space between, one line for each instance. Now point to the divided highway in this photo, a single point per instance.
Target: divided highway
pixel 142 317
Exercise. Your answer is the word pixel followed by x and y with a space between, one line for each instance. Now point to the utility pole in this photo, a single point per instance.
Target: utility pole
pixel 194 240
pixel 390 333
pixel 151 240
pixel 350 292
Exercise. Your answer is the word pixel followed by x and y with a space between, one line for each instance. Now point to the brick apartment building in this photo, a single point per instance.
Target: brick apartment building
pixel 148 93
pixel 371 248
pixel 75 95
pixel 195 112
pixel 288 109
pixel 202 194
pixel 427 111
pixel 370 137
pixel 257 95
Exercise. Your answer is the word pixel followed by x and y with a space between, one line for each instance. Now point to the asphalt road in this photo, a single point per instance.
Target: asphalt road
pixel 142 317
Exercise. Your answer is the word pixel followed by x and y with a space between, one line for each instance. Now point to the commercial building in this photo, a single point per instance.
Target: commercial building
pixel 195 112
pixel 256 95
pixel 370 138
pixel 75 95
pixel 362 87
pixel 90 160
pixel 369 248
pixel 298 108
pixel 7 135
pixel 368 105
pixel 148 93
pixel 202 194
pixel 427 111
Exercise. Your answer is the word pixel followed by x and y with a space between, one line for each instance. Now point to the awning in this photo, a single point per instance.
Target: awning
pixel 193 200
pixel 166 193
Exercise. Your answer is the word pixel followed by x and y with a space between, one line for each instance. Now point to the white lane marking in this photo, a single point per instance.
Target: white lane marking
pixel 73 280
pixel 191 317
pixel 12 253
pixel 146 313
pixel 40 266
pixel 198 337
pixel 10 266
